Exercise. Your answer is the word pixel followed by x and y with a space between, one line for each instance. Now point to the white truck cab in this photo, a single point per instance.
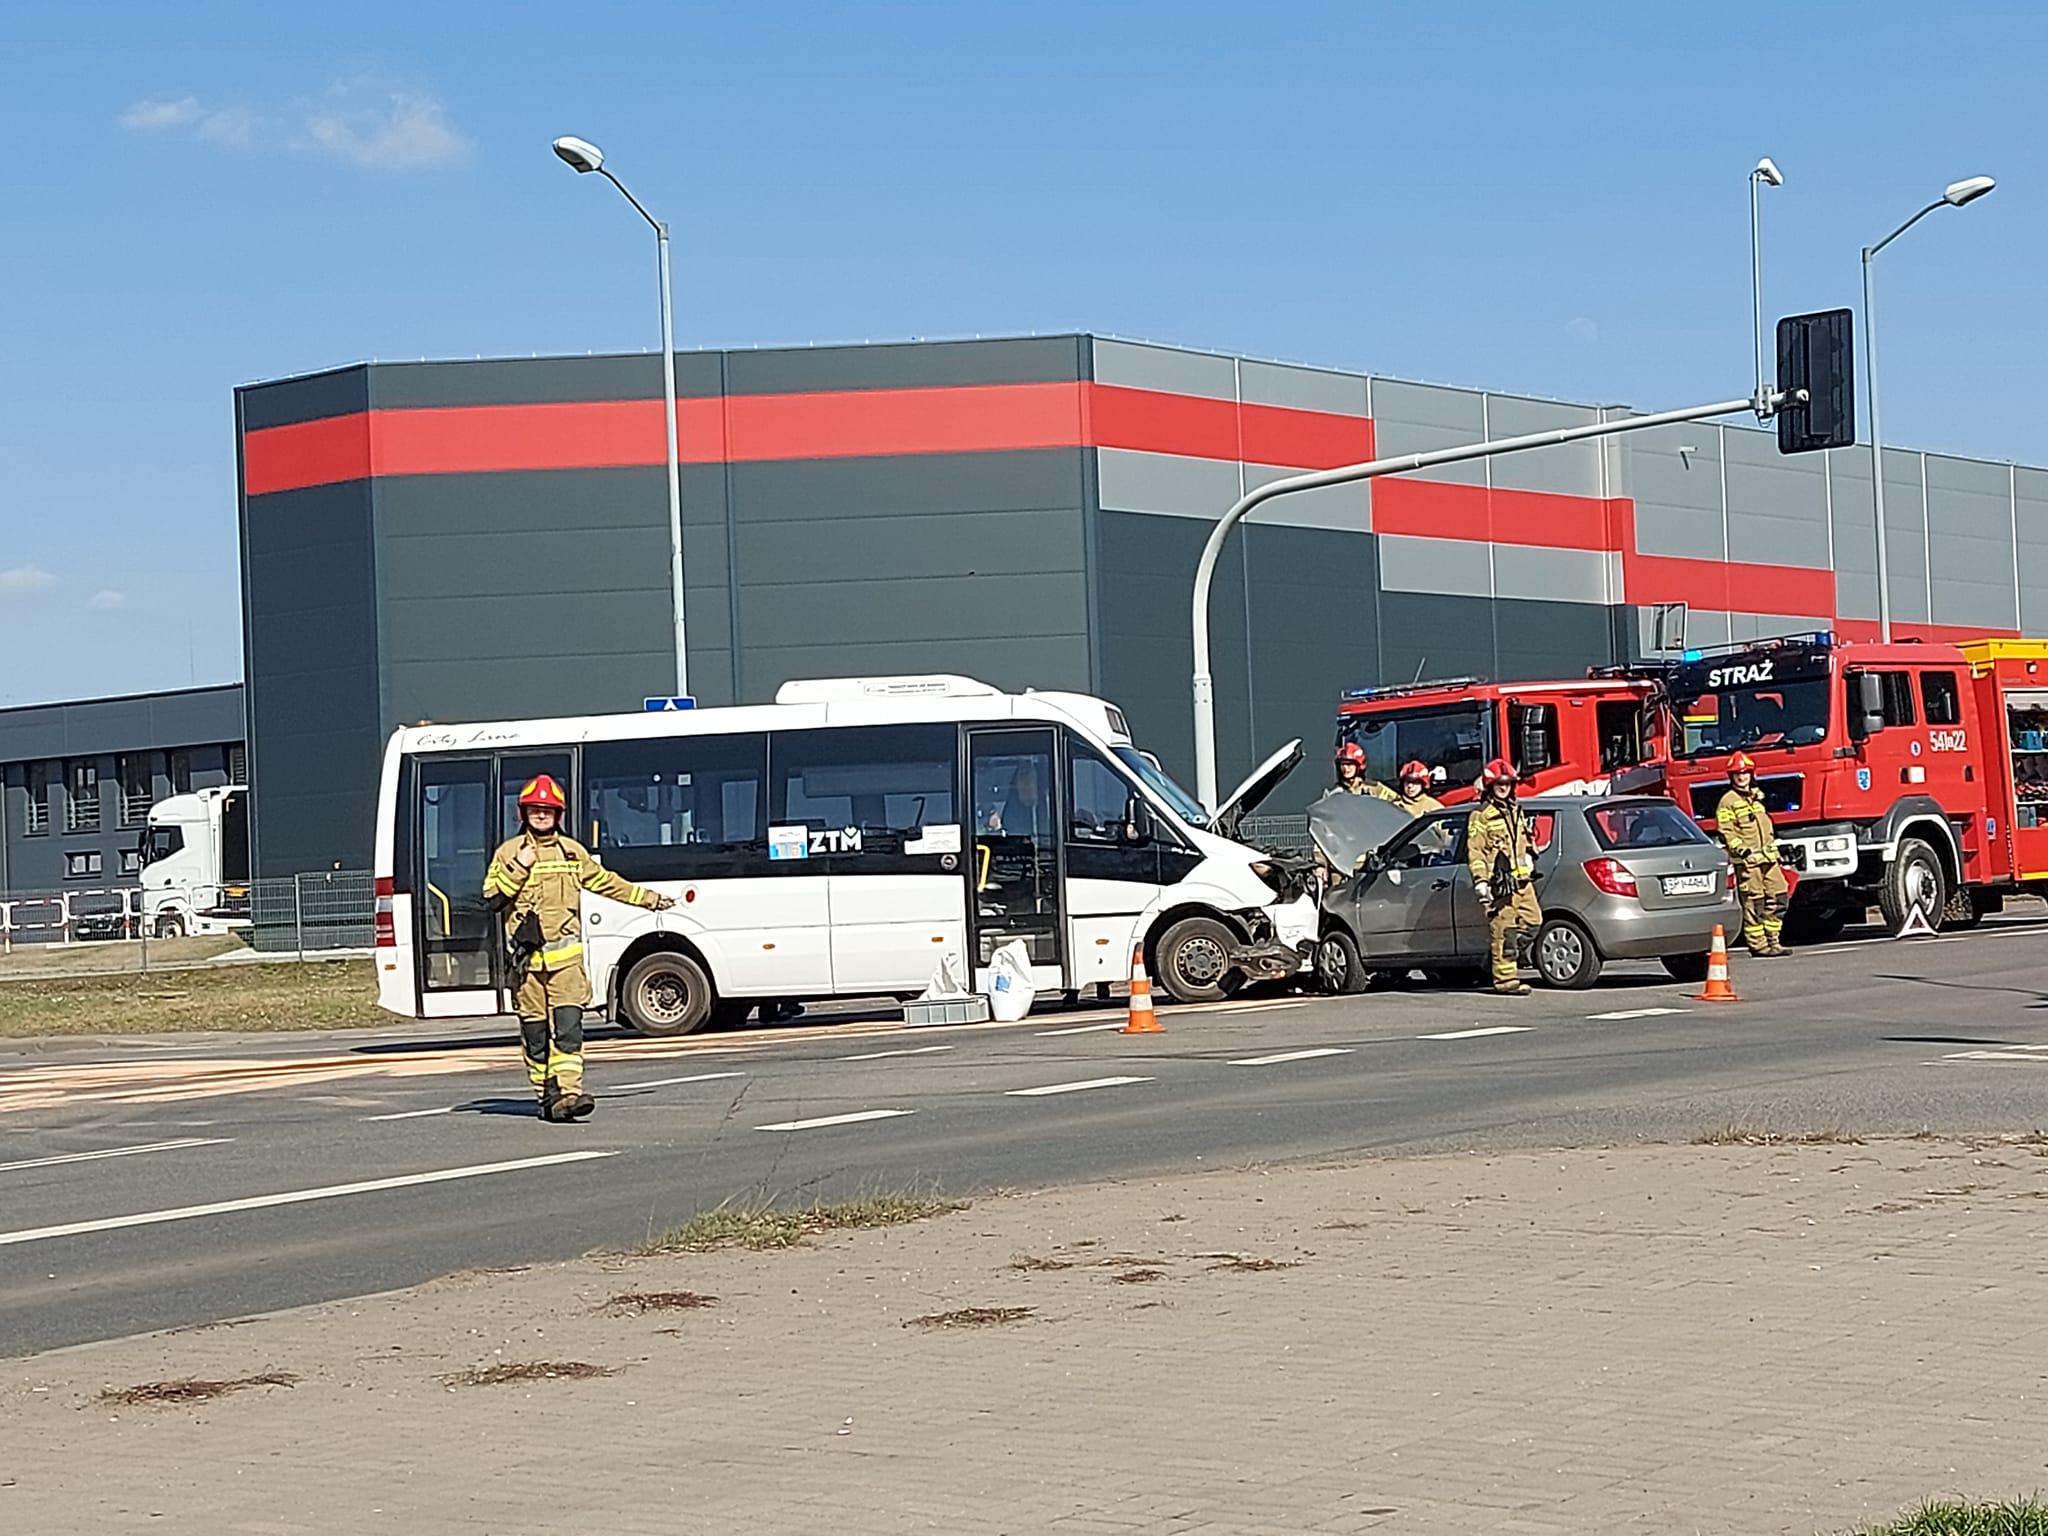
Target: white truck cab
pixel 195 863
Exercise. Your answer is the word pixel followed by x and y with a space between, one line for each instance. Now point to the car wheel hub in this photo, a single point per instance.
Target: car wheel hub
pixel 1562 952
pixel 664 997
pixel 1330 965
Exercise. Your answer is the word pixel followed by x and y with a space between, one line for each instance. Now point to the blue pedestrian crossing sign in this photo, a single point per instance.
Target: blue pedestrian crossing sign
pixel 663 706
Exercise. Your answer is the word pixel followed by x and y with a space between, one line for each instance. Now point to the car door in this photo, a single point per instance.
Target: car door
pixel 1407 906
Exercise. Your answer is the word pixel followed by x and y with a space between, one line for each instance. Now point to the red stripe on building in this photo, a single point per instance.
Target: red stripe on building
pixel 1735 587
pixel 1432 509
pixel 990 418
pixel 309 453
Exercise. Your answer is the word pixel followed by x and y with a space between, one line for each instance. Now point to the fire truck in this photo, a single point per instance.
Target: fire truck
pixel 1903 776
pixel 1593 735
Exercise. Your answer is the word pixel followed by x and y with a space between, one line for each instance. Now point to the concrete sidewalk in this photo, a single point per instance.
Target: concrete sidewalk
pixel 1728 1338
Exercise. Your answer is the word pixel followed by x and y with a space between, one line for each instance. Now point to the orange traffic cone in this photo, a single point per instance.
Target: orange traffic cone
pixel 1717 989
pixel 1142 1020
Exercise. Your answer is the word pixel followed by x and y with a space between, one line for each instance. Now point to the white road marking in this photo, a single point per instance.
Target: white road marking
pixel 2017 1053
pixel 1276 1060
pixel 1093 1082
pixel 915 1050
pixel 294 1197
pixel 670 1082
pixel 416 1114
pixel 88 1157
pixel 1474 1034
pixel 825 1120
pixel 1636 1013
pixel 1084 1029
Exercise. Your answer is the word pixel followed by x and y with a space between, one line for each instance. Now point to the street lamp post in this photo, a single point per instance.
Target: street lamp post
pixel 1765 174
pixel 582 156
pixel 1954 195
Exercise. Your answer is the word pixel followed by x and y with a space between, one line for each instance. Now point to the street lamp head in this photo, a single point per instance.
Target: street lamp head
pixel 580 155
pixel 1768 173
pixel 1968 190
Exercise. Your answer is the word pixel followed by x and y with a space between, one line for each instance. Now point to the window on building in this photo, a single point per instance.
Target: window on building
pixel 179 770
pixel 136 772
pixel 884 781
pixel 82 865
pixel 677 807
pixel 1897 688
pixel 82 800
pixel 238 763
pixel 131 861
pixel 37 823
pixel 1938 697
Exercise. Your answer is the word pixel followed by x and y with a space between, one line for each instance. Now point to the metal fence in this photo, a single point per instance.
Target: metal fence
pixel 320 913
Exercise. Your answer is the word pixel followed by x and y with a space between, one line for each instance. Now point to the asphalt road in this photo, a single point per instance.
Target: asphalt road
pixel 151 1184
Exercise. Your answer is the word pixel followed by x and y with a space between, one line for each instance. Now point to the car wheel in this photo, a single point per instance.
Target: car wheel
pixel 1193 960
pixel 1914 879
pixel 1686 967
pixel 1339 970
pixel 1565 956
pixel 170 926
pixel 667 993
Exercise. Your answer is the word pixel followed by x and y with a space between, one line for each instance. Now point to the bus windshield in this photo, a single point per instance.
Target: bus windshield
pixel 1160 782
pixel 1771 714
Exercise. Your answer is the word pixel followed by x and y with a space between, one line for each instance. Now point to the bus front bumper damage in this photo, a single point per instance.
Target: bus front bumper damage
pixel 1264 952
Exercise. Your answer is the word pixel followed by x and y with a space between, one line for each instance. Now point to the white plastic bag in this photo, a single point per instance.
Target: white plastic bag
pixel 1010 992
pixel 945 981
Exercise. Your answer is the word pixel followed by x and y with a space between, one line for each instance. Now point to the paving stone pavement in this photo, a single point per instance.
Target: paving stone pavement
pixel 1780 1338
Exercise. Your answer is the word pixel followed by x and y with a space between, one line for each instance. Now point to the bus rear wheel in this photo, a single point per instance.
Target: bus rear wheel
pixel 666 993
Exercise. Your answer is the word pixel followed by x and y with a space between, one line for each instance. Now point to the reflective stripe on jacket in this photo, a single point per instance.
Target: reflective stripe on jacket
pixel 552 890
pixel 1744 825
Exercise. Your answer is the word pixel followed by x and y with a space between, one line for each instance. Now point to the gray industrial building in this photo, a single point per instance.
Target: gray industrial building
pixel 455 541
pixel 77 781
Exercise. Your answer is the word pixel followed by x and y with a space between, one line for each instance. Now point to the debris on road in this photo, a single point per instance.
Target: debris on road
pixel 191 1390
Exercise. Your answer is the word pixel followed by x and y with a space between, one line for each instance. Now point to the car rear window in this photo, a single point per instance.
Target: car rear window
pixel 1643 826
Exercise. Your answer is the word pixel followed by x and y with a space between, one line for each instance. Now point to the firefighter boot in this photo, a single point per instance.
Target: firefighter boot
pixel 551 1100
pixel 567 1061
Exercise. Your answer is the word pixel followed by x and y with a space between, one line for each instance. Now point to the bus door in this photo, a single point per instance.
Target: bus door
pixel 455 938
pixel 1113 877
pixel 1013 872
pixel 468 806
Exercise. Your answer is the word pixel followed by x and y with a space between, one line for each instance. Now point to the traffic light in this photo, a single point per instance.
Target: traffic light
pixel 1815 354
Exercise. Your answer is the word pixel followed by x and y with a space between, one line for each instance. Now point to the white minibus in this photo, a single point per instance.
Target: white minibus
pixel 835 843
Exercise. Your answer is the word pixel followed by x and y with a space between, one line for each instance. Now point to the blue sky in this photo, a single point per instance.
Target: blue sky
pixel 1526 197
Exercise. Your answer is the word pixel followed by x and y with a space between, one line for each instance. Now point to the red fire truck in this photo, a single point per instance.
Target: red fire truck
pixel 1905 775
pixel 1593 734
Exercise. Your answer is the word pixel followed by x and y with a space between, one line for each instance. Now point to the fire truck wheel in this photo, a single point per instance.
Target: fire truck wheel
pixel 1914 879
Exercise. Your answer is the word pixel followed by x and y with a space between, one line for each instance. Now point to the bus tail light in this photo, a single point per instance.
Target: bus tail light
pixel 387 927
pixel 1612 876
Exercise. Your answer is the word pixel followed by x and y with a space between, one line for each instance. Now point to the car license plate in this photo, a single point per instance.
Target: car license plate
pixel 1688 885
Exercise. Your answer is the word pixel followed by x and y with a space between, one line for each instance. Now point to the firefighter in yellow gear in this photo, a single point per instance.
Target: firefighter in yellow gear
pixel 1352 777
pixel 1415 797
pixel 1744 825
pixel 537 881
pixel 1503 865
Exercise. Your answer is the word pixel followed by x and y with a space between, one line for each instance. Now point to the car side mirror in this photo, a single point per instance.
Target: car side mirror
pixel 1866 705
pixel 1139 825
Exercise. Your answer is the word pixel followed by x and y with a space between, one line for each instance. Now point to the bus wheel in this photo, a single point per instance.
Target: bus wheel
pixel 666 993
pixel 1194 960
pixel 1914 879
